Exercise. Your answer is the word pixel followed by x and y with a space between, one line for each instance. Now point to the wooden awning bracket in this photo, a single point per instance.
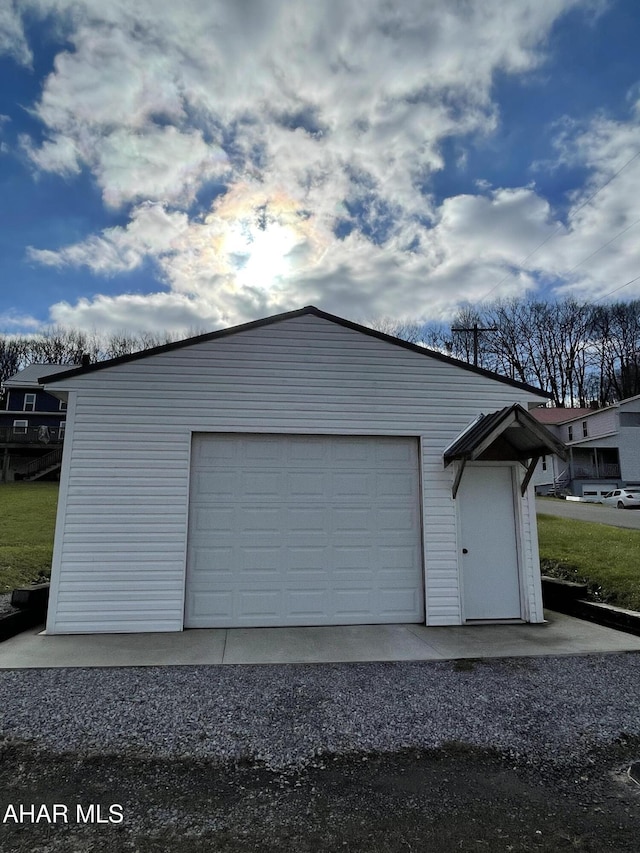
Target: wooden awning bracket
pixel 460 463
pixel 527 477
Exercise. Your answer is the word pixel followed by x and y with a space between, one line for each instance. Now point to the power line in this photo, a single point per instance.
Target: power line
pixel 560 226
pixel 604 245
pixel 616 289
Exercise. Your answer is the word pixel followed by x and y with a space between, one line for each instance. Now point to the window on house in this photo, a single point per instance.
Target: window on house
pixel 585 431
pixel 570 432
pixel 61 429
pixel 20 427
pixel 544 463
pixel 63 406
pixel 29 403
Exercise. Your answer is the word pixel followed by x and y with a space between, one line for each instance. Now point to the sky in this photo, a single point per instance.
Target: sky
pixel 189 166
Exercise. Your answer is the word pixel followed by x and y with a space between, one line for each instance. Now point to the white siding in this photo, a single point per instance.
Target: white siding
pixel 603 422
pixel 122 529
pixel 630 444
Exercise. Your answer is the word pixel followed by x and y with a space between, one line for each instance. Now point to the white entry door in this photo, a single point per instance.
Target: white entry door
pixel 490 576
pixel 303 530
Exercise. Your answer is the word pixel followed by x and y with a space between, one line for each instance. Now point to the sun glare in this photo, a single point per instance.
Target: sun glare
pixel 259 256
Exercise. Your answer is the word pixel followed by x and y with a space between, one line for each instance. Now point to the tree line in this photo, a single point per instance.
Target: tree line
pixel 583 354
pixel 61 345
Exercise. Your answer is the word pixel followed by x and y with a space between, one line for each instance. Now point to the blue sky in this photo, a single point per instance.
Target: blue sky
pixel 191 166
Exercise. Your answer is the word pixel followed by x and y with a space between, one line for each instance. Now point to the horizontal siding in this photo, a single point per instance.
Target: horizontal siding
pixel 127 483
pixel 600 423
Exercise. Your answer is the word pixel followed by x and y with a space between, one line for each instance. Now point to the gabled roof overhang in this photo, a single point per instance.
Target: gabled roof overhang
pixel 277 318
pixel 508 435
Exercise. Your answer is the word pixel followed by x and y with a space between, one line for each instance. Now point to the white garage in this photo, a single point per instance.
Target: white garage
pixel 303 530
pixel 296 470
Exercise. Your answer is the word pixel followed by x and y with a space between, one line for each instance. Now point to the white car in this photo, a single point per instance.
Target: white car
pixel 622 498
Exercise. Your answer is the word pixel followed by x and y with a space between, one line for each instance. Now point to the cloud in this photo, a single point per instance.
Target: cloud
pixel 321 126
pixel 151 232
pixel 171 312
pixel 599 250
pixel 12 38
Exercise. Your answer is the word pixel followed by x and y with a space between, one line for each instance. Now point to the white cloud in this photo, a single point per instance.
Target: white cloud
pixel 171 312
pixel 151 232
pixel 611 216
pixel 311 114
pixel 12 37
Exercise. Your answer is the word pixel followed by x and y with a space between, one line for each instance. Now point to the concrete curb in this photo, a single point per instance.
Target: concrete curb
pixel 22 620
pixel 31 602
pixel 567 597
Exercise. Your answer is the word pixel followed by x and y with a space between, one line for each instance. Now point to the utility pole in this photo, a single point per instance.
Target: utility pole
pixel 477 331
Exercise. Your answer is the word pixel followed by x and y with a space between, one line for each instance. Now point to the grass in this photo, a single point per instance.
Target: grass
pixel 606 558
pixel 27 524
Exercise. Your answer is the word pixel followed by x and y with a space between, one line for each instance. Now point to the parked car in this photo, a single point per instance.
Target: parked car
pixel 622 498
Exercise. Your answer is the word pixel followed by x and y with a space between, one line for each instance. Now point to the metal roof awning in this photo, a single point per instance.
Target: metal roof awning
pixel 510 434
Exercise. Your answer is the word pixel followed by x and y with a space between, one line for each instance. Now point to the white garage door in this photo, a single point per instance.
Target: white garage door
pixel 303 530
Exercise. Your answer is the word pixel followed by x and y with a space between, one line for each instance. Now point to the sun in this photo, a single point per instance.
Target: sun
pixel 259 253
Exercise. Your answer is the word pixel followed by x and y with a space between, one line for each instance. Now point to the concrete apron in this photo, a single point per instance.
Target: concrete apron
pixel 560 635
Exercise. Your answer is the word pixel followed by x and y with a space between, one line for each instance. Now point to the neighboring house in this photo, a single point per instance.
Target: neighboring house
pixel 32 425
pixel 603 445
pixel 298 470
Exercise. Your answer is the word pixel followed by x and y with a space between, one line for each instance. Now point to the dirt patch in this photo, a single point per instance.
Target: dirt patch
pixel 452 799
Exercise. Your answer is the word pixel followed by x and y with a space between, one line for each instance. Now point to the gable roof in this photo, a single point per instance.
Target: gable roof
pixel 276 318
pixel 33 376
pixel 521 437
pixel 558 415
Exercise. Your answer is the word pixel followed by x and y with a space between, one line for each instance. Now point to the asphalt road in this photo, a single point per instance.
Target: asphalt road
pixel 590 512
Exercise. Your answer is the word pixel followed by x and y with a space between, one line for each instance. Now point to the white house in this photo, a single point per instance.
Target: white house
pixel 298 470
pixel 603 448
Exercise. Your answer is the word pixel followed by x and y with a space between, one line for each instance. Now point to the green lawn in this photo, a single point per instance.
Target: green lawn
pixel 27 524
pixel 607 558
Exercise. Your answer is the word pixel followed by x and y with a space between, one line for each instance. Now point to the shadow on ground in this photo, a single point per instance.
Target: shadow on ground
pixel 452 799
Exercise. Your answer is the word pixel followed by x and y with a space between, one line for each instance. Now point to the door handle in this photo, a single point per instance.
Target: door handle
pixel 465 551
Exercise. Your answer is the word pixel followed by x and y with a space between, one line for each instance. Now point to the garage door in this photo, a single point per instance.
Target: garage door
pixel 303 530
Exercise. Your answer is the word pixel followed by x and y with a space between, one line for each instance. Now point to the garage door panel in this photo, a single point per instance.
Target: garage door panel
pixel 306 520
pixel 303 530
pixel 257 519
pixel 397 558
pixel 306 450
pixel 353 485
pixel 216 484
pixel 396 519
pixel 306 558
pixel 352 605
pixel 392 454
pixel 206 561
pixel 307 603
pixel 205 605
pixel 306 485
pixel 392 484
pixel 259 603
pixel 218 518
pixel 261 558
pixel 349 519
pixel 260 484
pixel 398 603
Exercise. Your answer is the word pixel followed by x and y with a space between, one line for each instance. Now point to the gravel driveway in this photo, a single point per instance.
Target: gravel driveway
pixel 206 753
pixel 284 716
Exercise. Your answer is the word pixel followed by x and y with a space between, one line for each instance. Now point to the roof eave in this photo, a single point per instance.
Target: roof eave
pixel 276 318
